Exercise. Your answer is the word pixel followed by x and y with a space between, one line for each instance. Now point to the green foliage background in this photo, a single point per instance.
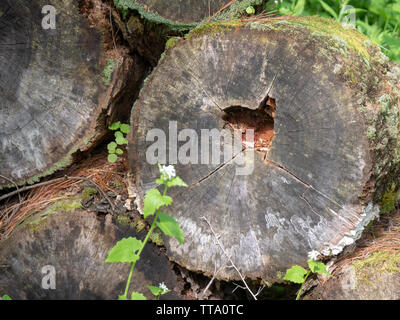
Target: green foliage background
pixel 378 19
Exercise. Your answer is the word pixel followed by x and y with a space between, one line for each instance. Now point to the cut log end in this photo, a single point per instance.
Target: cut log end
pixel 55 98
pixel 178 13
pixel 313 188
pixel 73 246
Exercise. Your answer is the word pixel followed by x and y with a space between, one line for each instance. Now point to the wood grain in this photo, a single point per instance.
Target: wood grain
pixel 308 192
pixel 52 97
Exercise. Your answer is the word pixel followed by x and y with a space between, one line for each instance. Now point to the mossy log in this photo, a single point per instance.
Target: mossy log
pixel 375 277
pixel 332 100
pixel 175 12
pixel 54 96
pixel 178 14
pixel 75 243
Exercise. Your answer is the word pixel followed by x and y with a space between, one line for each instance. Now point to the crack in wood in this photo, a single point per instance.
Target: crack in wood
pixel 215 170
pixel 310 187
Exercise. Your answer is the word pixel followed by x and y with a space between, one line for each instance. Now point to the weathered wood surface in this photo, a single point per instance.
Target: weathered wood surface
pixel 76 243
pixel 181 14
pixel 53 100
pixel 148 24
pixel 186 12
pixel 333 155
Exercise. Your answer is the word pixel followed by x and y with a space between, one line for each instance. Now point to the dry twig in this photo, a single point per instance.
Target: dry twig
pixel 229 258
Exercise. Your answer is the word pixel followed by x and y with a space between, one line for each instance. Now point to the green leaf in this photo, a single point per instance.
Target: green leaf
pixel 6 297
pixel 298 10
pixel 112 158
pixel 176 182
pixel 118 134
pixel 328 9
pixel 111 146
pixel 154 200
pixel 121 140
pixel 137 296
pixel 125 128
pixel 295 274
pixel 122 297
pixel 318 267
pixel 119 151
pixel 155 290
pixel 115 126
pixel 125 251
pixel 170 227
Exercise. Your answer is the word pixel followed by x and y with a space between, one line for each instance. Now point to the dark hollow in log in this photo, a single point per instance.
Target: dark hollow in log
pixel 75 244
pixel 53 97
pixel 261 121
pixel 333 154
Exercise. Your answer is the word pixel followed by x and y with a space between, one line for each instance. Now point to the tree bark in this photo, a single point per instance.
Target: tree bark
pixel 76 243
pixel 332 100
pixel 54 98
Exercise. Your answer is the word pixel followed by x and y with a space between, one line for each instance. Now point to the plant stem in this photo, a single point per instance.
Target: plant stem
pixel 301 288
pixel 153 225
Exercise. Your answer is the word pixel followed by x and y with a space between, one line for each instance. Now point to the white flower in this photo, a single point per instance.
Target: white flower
pixel 168 172
pixel 313 255
pixel 163 287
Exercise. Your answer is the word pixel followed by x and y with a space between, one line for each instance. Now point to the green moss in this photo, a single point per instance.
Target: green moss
pixel 279 275
pixel 126 5
pixel 213 28
pixel 389 200
pixel 334 34
pixel 64 162
pixel 88 140
pixel 336 37
pixel 87 193
pixel 139 224
pixel 370 268
pixel 123 219
pixel 347 37
pixel 171 43
pixel 386 125
pixel 156 238
pixel 62 205
pixel 235 11
pixel 108 71
pixel 371 132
